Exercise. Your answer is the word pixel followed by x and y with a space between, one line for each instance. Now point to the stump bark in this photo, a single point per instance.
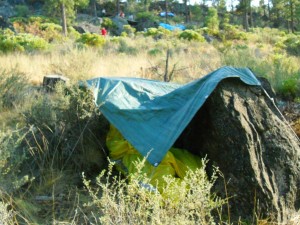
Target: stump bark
pixel 50 81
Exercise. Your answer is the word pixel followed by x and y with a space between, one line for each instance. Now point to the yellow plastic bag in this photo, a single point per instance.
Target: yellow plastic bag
pixel 176 162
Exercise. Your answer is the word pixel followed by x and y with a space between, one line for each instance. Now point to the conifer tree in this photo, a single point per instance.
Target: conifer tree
pixel 212 20
pixel 65 9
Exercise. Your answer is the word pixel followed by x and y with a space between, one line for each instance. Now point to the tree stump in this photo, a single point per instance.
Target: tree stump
pixel 50 81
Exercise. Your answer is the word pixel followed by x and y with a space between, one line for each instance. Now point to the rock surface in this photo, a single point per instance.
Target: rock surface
pixel 244 134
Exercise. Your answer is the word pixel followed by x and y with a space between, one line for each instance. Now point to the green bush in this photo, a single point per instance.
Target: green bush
pixel 191 35
pixel 41 19
pixel 13 89
pixel 292 44
pixel 129 30
pixel 22 10
pixel 146 20
pixel 146 16
pixel 158 33
pixel 231 32
pixel 155 52
pixel 67 129
pixel 63 135
pixel 212 20
pixel 93 40
pixel 268 35
pixel 125 48
pixel 51 31
pixel 290 88
pixel 108 23
pixel 12 157
pixel 9 42
pixel 31 42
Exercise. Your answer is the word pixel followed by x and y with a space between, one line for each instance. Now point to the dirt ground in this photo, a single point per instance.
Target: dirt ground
pixel 291 111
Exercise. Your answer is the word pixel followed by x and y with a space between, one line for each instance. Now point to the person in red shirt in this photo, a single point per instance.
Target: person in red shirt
pixel 103 31
pixel 122 14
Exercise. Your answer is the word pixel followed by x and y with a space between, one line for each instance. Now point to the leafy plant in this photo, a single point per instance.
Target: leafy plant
pixel 10 42
pixel 146 16
pixel 89 39
pixel 22 10
pixel 191 35
pixel 125 48
pixel 12 157
pixel 62 127
pixel 293 44
pixel 51 31
pixel 155 52
pixel 13 88
pixel 129 30
pixel 231 32
pixel 212 21
pixel 108 23
pixel 158 33
pixel 290 87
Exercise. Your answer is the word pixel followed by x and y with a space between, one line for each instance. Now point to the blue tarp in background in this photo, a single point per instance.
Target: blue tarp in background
pixel 171 27
pixel 163 14
pixel 151 115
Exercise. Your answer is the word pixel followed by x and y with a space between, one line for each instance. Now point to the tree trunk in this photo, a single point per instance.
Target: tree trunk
pixel 251 16
pixel 166 6
pixel 166 75
pixel 186 10
pixel 245 18
pixel 64 19
pixel 244 5
pixel 269 10
pixel 118 7
pixel 292 15
pixel 95 8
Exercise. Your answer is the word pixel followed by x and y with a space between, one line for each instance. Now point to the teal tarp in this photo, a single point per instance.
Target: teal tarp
pixel 152 114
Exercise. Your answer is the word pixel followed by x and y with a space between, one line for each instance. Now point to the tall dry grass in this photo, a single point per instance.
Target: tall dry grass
pixel 191 60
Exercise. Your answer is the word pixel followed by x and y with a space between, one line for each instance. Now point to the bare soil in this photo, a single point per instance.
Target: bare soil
pixel 291 111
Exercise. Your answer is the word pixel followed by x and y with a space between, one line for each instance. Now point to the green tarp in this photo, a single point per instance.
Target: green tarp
pixel 152 114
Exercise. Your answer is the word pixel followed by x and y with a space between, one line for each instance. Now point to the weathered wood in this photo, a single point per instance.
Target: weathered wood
pixel 50 81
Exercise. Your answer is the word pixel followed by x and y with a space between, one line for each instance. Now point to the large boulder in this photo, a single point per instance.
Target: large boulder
pixel 85 27
pixel 119 23
pixel 242 132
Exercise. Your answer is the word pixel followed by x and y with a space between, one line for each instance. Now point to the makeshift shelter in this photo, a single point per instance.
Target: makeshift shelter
pixel 150 114
pixel 234 122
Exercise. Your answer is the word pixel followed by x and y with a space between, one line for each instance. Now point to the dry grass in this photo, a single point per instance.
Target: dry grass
pixel 192 60
pixel 134 201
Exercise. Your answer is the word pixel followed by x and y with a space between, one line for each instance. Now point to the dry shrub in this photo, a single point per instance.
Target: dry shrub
pixel 6 216
pixel 134 201
pixel 13 88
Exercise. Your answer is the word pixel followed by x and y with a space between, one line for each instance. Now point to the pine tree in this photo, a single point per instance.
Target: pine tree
pixel 65 9
pixel 212 20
